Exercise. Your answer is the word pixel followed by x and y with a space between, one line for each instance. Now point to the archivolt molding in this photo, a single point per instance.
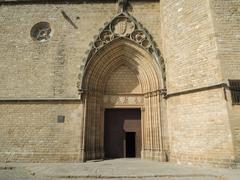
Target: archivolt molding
pixel 123 26
pixel 123 41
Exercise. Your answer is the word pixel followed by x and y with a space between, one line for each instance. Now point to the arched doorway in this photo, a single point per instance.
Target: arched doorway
pixel 122 71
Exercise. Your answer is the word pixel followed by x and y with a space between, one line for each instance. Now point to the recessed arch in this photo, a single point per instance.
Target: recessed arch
pixel 97 71
pixel 114 47
pixel 118 52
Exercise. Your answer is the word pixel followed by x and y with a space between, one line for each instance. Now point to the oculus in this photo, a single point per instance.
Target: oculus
pixel 41 32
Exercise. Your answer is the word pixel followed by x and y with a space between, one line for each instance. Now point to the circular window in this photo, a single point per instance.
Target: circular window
pixel 41 32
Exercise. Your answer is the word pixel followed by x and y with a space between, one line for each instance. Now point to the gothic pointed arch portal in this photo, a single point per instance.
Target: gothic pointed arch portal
pixel 123 69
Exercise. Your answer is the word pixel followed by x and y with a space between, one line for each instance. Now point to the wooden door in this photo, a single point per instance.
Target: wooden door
pixel 120 124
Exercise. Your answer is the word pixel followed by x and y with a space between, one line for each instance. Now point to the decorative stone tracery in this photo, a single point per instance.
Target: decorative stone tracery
pixel 123 26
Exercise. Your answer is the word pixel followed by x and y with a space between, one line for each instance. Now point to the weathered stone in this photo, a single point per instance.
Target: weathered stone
pixel 172 59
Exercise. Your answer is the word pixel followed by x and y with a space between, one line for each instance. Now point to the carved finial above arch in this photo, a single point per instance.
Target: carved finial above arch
pixel 123 5
pixel 123 26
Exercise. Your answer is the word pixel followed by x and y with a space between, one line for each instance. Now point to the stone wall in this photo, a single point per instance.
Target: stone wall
pixel 200 132
pixel 123 80
pixel 197 114
pixel 199 40
pixel 226 20
pixel 189 48
pixel 30 131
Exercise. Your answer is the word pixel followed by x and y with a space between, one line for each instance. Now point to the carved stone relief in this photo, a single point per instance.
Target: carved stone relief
pixel 124 26
pixel 115 100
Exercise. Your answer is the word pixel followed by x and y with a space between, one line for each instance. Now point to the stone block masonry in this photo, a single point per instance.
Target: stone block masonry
pixel 191 120
pixel 199 115
pixel 30 131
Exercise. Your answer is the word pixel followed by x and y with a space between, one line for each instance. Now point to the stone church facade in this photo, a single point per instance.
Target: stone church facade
pixel 86 80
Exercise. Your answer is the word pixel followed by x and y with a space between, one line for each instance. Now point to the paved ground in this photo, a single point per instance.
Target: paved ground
pixel 130 169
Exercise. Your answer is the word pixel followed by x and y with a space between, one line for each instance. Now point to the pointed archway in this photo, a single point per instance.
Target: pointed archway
pixel 123 42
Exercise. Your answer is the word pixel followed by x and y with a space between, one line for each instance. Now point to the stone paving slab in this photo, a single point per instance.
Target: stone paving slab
pixel 130 169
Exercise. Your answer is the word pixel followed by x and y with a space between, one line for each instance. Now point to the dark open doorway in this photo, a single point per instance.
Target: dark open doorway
pixel 130 144
pixel 122 133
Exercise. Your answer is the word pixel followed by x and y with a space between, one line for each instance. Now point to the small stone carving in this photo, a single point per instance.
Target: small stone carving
pixel 98 44
pixel 122 26
pixel 122 5
pixel 138 36
pixel 123 100
pixel 106 36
